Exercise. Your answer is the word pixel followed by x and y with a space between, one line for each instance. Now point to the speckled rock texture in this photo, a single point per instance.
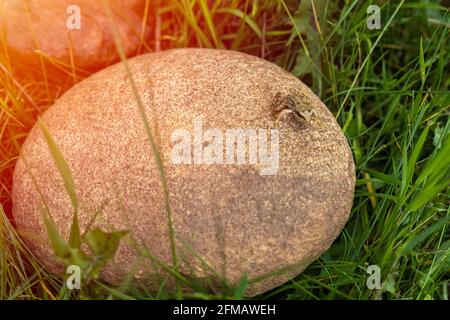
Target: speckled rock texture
pixel 37 35
pixel 241 223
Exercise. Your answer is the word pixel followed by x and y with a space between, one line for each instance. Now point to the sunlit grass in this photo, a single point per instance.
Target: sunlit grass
pixel 390 92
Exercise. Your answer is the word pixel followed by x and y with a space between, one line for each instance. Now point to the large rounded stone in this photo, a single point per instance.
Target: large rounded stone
pixel 44 35
pixel 238 217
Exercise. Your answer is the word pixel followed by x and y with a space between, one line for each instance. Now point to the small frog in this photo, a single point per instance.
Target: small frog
pixel 293 103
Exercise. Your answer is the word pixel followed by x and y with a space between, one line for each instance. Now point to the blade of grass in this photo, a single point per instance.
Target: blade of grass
pixel 209 22
pixel 427 194
pixel 422 62
pixel 422 236
pixel 69 184
pixel 247 19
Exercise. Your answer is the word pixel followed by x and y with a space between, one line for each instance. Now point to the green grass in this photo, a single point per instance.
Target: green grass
pixel 390 92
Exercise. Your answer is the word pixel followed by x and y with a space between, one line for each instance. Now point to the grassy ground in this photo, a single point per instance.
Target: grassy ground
pixel 389 90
